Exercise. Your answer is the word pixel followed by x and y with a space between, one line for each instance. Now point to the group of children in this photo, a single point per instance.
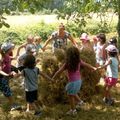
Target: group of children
pixel 106 57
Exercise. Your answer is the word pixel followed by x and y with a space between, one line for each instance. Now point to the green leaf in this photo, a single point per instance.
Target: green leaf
pixel 7 11
pixel 0 25
pixel 6 24
pixel 32 10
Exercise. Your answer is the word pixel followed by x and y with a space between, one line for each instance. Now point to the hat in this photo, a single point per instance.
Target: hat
pixel 6 46
pixel 30 48
pixel 111 48
pixel 84 36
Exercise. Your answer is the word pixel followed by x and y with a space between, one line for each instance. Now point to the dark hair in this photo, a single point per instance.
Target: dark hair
pixel 113 41
pixel 72 58
pixel 30 61
pixel 102 37
pixel 112 54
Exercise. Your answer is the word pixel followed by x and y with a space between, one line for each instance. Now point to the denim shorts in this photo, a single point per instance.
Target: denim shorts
pixel 4 87
pixel 73 88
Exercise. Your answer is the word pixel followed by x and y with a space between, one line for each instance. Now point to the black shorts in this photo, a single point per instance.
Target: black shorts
pixel 31 96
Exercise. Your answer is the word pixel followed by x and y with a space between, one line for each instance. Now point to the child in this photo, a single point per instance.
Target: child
pixel 29 51
pixel 6 48
pixel 113 41
pixel 111 66
pixel 30 73
pixel 30 40
pixel 72 65
pixel 86 44
pixel 37 44
pixel 100 52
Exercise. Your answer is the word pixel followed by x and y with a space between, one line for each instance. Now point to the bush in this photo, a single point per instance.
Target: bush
pixel 19 34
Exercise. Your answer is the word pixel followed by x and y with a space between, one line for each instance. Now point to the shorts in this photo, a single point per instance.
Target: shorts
pixel 31 96
pixel 73 88
pixel 4 87
pixel 109 81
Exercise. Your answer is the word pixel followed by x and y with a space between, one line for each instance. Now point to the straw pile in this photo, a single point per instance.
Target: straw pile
pixel 52 92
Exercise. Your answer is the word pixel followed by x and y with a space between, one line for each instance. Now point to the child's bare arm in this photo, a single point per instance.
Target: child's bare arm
pixel 105 65
pixel 88 65
pixel 3 73
pixel 19 48
pixel 45 76
pixel 59 71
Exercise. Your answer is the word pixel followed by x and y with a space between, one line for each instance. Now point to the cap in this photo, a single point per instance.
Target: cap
pixel 6 46
pixel 111 48
pixel 84 36
pixel 30 48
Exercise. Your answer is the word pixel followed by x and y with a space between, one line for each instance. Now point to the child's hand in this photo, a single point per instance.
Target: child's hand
pixel 37 61
pixel 94 68
pixel 12 74
pixel 43 49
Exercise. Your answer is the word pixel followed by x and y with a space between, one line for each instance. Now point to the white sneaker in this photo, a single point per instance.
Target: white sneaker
pixel 72 112
pixel 78 106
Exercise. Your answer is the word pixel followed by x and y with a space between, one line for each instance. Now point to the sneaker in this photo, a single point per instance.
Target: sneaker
pixel 110 102
pixel 37 113
pixel 78 106
pixel 15 107
pixel 105 100
pixel 72 112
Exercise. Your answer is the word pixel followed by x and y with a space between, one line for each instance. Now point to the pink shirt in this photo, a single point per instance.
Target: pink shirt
pixel 6 64
pixel 74 76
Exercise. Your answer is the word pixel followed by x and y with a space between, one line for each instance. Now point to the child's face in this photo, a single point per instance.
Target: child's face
pixel 38 41
pixel 30 40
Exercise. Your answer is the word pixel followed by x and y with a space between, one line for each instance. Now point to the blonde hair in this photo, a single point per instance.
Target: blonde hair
pixel 37 38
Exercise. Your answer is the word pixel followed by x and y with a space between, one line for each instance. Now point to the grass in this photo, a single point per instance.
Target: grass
pixel 94 110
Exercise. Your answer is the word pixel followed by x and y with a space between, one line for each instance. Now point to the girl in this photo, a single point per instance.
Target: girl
pixel 72 65
pixel 30 73
pixel 111 66
pixel 6 48
pixel 86 44
pixel 100 51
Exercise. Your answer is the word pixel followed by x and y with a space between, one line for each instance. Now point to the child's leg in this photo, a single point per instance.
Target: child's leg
pixel 72 102
pixel 77 98
pixel 107 92
pixel 10 99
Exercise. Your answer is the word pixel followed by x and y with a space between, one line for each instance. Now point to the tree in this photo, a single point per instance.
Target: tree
pixel 79 10
pixel 6 6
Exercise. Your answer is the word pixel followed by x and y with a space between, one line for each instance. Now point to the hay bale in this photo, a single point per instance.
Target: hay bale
pixel 90 79
pixel 55 92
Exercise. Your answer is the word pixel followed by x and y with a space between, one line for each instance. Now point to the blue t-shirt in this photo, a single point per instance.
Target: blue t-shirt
pixel 112 69
pixel 31 78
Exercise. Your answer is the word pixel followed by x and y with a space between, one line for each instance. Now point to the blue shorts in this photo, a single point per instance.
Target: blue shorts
pixel 4 87
pixel 73 88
